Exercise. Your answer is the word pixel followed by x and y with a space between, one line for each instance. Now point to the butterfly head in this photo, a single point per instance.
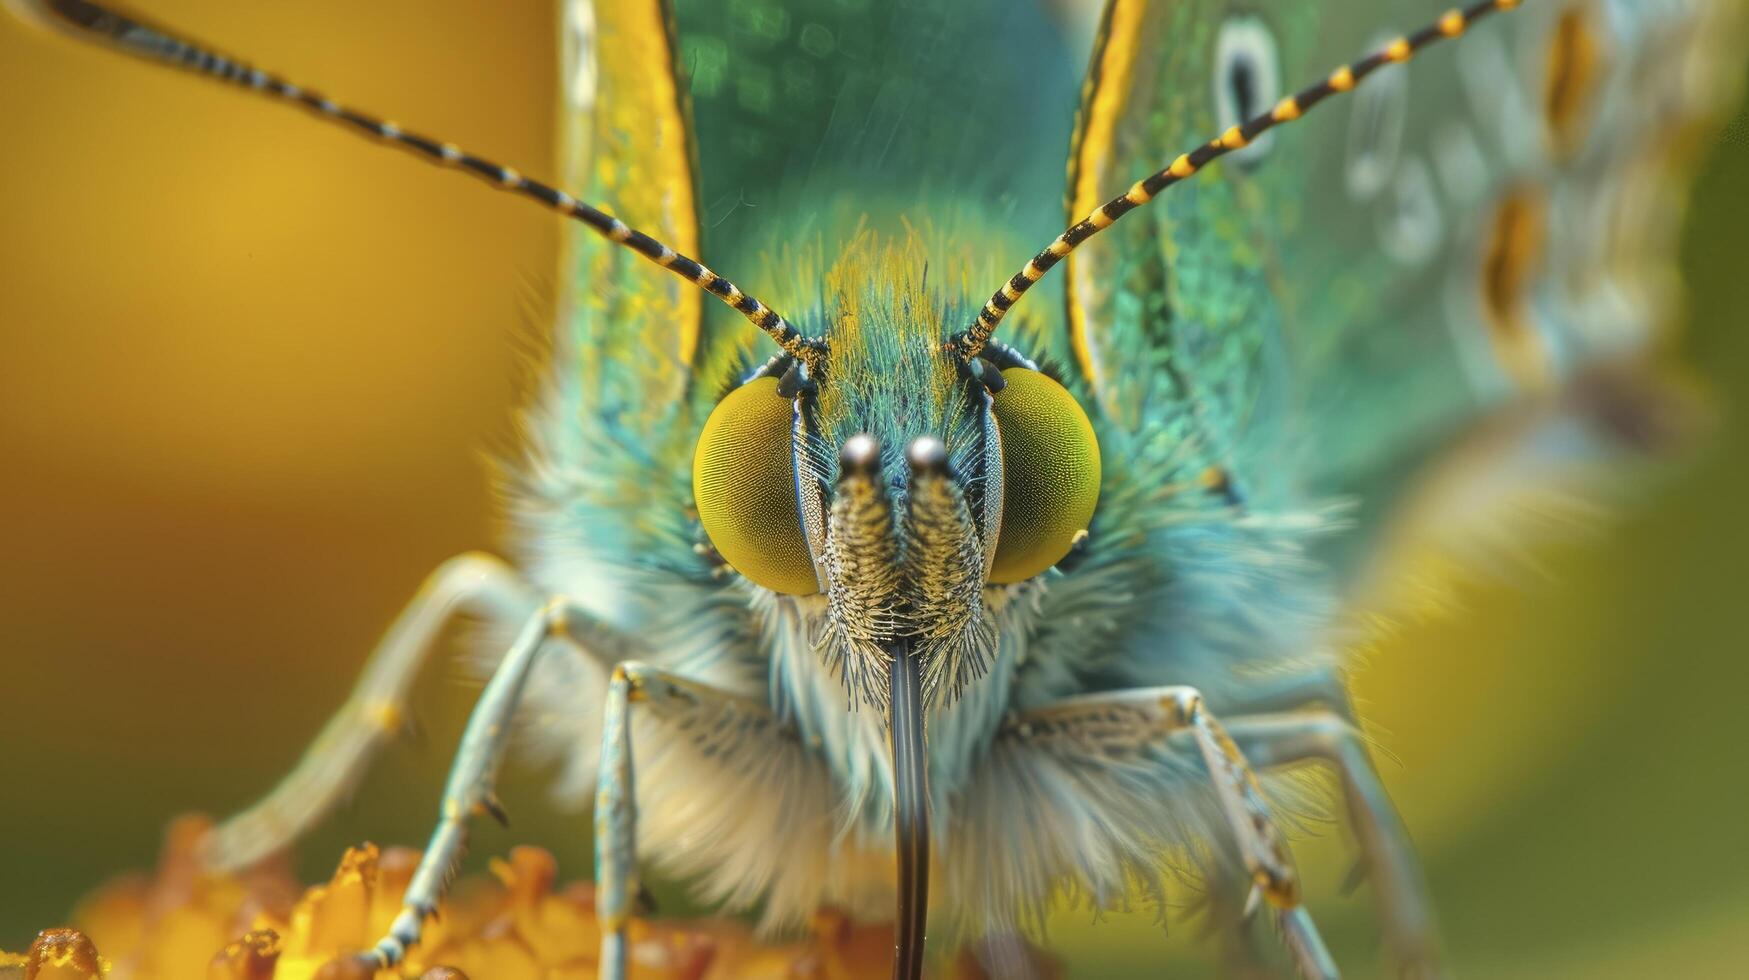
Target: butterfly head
pixel 892 477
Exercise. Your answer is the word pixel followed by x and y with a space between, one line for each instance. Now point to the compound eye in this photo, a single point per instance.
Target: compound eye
pixel 743 482
pixel 1050 474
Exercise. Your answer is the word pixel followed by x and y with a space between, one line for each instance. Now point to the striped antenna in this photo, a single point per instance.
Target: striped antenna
pixel 1454 22
pixel 92 22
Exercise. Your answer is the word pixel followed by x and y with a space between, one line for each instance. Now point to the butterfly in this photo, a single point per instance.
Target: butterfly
pixel 914 574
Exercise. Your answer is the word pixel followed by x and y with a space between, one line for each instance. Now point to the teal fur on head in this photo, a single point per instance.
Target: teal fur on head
pixel 889 374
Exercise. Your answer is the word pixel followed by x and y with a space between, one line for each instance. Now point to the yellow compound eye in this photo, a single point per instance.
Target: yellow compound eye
pixel 1050 474
pixel 743 481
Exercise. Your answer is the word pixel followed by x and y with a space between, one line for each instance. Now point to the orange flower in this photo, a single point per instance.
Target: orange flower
pixel 186 922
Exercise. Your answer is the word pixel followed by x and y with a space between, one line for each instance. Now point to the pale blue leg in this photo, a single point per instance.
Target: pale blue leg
pixel 1245 949
pixel 1321 685
pixel 376 710
pixel 616 827
pixel 1388 856
pixel 469 788
pixel 616 808
pixel 1126 717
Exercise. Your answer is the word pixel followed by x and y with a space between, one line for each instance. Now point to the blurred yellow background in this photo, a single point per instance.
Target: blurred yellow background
pixel 250 367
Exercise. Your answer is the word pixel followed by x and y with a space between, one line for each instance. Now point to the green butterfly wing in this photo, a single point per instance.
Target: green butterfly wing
pixel 602 494
pixel 1484 228
pixel 624 144
pixel 818 120
pixel 740 133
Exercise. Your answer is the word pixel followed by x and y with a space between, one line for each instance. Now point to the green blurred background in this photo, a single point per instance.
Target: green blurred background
pixel 249 368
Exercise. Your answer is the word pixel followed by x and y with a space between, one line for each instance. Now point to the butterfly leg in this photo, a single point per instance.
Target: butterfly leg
pixel 469 788
pixel 704 713
pixel 1318 685
pixel 1272 741
pixel 374 712
pixel 1129 721
pixel 1261 844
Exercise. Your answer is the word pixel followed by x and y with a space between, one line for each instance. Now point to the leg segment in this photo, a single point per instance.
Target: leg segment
pixel 374 712
pixel 1400 890
pixel 469 788
pixel 1319 685
pixel 713 715
pixel 1124 719
pixel 616 825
